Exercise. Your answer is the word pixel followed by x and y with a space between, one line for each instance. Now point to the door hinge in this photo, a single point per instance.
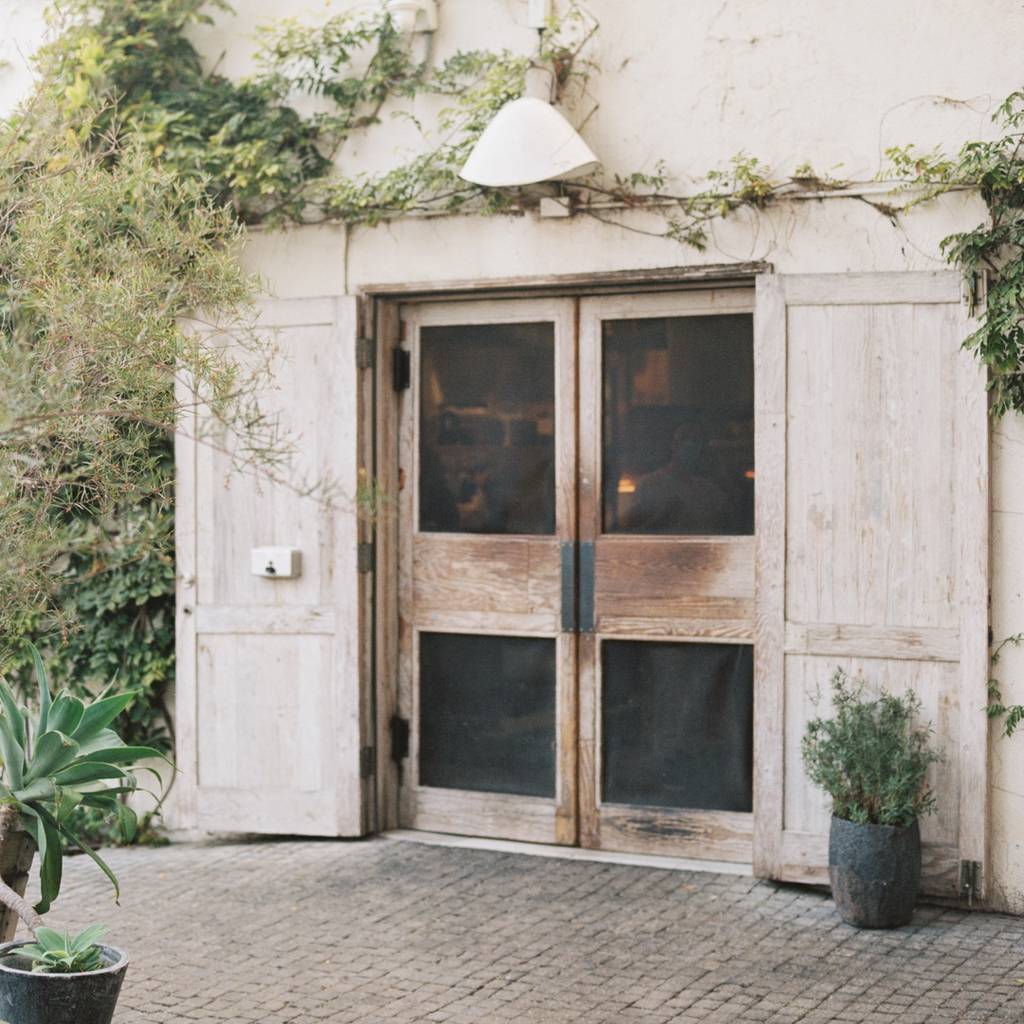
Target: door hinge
pixel 401 369
pixel 970 880
pixel 365 353
pixel 399 738
pixel 365 556
pixel 366 762
pixel 975 292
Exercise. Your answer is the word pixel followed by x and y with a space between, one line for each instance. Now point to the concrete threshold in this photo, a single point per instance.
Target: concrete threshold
pixel 640 860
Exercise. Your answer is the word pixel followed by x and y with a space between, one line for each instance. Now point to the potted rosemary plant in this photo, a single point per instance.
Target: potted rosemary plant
pixel 64 757
pixel 872 760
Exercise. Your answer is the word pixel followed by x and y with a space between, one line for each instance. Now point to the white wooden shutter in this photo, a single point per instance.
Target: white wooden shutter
pixel 268 693
pixel 872 542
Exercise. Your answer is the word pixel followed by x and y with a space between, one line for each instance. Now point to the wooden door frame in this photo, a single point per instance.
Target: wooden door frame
pixel 380 336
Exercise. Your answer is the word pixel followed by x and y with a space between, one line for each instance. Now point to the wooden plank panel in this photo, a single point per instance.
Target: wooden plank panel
pixel 617 281
pixel 651 578
pixel 971 500
pixel 463 812
pixel 567 719
pixel 386 545
pixel 242 510
pixel 873 641
pixel 589 727
pixel 183 806
pixel 260 694
pixel 922 287
pixel 870 500
pixel 337 433
pixel 260 619
pixel 246 811
pixel 713 621
pixel 713 835
pixel 497 575
pixel 769 555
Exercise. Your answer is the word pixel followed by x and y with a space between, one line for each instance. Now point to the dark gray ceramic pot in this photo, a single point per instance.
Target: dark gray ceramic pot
pixel 875 871
pixel 27 998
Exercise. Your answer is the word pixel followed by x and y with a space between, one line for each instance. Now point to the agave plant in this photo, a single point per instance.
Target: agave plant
pixel 70 757
pixel 54 953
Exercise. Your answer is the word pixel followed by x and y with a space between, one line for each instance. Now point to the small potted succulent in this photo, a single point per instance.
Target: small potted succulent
pixel 65 757
pixel 872 760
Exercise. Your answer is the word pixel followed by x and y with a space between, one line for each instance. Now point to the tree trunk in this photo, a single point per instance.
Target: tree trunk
pixel 17 848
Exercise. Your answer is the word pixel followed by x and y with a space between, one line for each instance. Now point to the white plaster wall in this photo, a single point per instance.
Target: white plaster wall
pixel 693 83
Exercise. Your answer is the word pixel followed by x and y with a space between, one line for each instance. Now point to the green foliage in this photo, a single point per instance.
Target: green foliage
pixel 70 758
pixel 994 250
pixel 53 953
pixel 98 828
pixel 113 615
pixel 869 757
pixel 130 69
pixel 1012 714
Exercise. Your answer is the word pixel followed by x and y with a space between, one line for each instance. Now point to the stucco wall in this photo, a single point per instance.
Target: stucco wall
pixel 691 84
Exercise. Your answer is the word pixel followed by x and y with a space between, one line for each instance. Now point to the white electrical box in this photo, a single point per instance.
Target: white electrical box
pixel 276 563
pixel 539 13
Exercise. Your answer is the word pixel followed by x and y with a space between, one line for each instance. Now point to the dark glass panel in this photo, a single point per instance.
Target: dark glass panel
pixel 487 428
pixel 487 713
pixel 677 724
pixel 678 438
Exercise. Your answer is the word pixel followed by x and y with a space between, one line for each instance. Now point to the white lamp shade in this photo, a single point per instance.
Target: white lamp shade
pixel 528 142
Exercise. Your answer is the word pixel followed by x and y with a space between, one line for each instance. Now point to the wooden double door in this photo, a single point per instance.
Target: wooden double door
pixel 576 575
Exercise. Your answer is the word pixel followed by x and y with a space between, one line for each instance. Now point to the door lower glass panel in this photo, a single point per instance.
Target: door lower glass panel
pixel 487 713
pixel 677 724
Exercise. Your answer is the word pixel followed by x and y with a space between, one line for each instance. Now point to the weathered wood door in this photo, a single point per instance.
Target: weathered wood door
pixel 577 571
pixel 269 713
pixel 872 548
pixel 667 550
pixel 487 675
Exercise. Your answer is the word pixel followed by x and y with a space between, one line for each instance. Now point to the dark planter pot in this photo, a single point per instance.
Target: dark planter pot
pixel 27 998
pixel 875 871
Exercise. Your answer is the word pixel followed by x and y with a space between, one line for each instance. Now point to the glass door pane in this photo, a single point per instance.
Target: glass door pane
pixel 678 438
pixel 487 713
pixel 677 726
pixel 487 428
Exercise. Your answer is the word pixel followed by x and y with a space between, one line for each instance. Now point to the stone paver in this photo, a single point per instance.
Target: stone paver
pixel 384 931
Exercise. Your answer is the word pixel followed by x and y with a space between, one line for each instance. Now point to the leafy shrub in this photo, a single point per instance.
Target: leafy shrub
pixel 870 757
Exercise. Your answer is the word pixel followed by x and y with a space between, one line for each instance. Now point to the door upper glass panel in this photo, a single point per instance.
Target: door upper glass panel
pixel 487 429
pixel 678 425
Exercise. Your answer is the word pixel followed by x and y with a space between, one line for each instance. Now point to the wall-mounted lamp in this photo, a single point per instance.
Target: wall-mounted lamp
pixel 529 142
pixel 412 16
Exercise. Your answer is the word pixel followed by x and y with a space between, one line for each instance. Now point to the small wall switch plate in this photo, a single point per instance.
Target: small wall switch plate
pixel 539 13
pixel 555 206
pixel 276 563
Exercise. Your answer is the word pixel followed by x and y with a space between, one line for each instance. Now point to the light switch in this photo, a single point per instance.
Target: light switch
pixel 276 563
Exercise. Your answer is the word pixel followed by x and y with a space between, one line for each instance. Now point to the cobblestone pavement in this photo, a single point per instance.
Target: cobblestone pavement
pixel 388 931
